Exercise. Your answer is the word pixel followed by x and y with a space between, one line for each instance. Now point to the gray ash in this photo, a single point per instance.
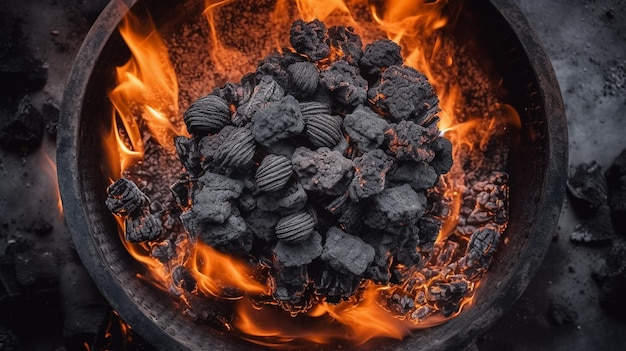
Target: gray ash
pixel 323 168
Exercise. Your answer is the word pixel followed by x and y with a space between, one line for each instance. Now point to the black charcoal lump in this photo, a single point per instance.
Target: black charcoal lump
pixel 378 56
pixel 309 38
pixel 369 175
pixel 410 141
pixel 345 43
pixel 365 128
pixel 347 87
pixel 347 253
pixel 587 188
pixel 279 120
pixel 300 253
pixel 322 170
pixel 396 207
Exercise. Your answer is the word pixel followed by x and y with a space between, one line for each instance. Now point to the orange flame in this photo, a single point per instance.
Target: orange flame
pixel 146 98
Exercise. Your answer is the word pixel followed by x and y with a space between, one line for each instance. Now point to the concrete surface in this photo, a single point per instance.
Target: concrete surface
pixel 586 41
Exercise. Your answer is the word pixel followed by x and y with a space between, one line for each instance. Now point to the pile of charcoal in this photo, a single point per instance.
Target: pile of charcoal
pixel 321 167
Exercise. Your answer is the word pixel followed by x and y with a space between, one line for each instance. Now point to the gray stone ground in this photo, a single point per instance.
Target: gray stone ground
pixel 586 41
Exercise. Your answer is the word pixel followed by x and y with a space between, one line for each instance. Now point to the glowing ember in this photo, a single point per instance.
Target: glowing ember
pixel 427 279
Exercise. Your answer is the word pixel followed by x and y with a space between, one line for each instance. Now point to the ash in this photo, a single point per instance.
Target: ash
pixel 328 173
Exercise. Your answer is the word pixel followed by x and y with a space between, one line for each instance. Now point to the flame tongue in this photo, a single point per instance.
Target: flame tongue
pixel 146 113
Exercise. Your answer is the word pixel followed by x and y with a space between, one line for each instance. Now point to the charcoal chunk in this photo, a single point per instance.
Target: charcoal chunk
pixel 346 86
pixel 324 130
pixel 442 162
pixel 21 129
pixel 182 278
pixel 304 77
pixel 290 199
pixel 189 154
pixel 404 93
pixel 279 120
pixel 125 198
pixel 266 92
pixel 322 170
pixel 587 189
pixel 419 175
pixel 378 56
pixel 143 227
pixel 347 253
pixel 481 247
pixel 219 235
pixel 345 43
pixel 262 224
pixel 213 197
pixel 365 128
pixel 301 253
pixel 275 65
pixel 237 149
pixel 309 38
pixel 369 175
pixel 207 115
pixel 616 184
pixel 410 141
pixel 396 207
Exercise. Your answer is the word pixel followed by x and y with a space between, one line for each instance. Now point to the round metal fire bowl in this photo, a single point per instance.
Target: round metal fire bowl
pixel 537 168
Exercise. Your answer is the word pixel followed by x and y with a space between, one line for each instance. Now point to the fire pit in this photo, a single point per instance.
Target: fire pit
pixel 495 31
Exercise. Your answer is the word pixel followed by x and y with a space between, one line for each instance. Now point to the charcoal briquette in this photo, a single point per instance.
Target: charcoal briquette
pixel 408 141
pixel 273 173
pixel 294 228
pixel 206 115
pixel 237 150
pixel 303 79
pixel 324 130
pixel 264 93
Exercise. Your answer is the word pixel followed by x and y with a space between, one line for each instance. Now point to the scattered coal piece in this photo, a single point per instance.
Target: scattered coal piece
pixel 378 56
pixel 299 253
pixel 37 268
pixel 404 93
pixel 50 111
pixel 561 314
pixel 20 71
pixel 595 230
pixel 346 45
pixel 396 208
pixel 587 188
pixel 612 280
pixel 278 120
pixel 347 88
pixel 616 184
pixel 365 128
pixel 369 174
pixel 21 129
pixel 347 253
pixel 323 171
pixel 309 38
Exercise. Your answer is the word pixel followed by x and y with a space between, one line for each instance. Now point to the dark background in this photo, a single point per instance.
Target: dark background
pixel 47 300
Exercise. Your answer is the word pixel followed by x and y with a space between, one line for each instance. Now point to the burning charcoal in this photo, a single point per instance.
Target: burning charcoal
pixel 164 251
pixel 262 224
pixel 300 253
pixel 50 111
pixel 410 141
pixel 125 198
pixel 273 173
pixel 309 38
pixel 304 77
pixel 378 56
pixel 294 228
pixel 189 154
pixel 234 94
pixel 207 115
pixel 422 313
pixel 596 230
pixel 346 86
pixel 419 175
pixel 369 175
pixel 442 162
pixel 395 208
pixel 21 130
pixel 312 108
pixel 322 170
pixel 275 65
pixel 346 44
pixel 404 93
pixel 336 286
pixel 213 197
pixel 279 120
pixel 480 249
pixel 183 279
pixel 237 150
pixel 365 128
pixel 408 253
pixel 347 253
pixel 267 91
pixel 289 285
pixel 587 188
pixel 429 228
pixel 181 190
pixel 220 235
pixel 452 289
pixel 616 182
pixel 290 199
pixel 142 227
pixel 324 130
